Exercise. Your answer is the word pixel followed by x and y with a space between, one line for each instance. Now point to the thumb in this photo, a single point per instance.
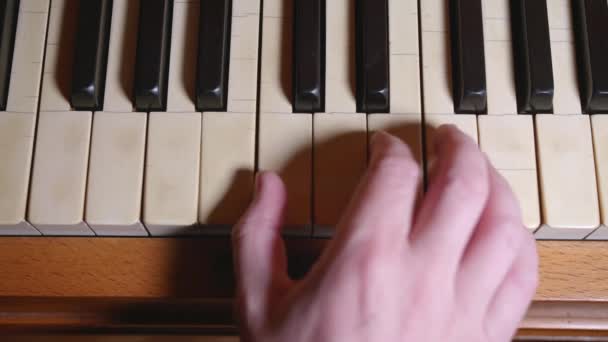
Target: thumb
pixel 259 251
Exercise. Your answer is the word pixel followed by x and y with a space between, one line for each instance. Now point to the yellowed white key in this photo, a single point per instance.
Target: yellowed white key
pixel 17 124
pixel 226 176
pixel 508 141
pixel 599 124
pixel 567 178
pixel 121 56
pixel 285 146
pixel 436 75
pixel 56 204
pixel 339 58
pixel 275 77
pixel 116 166
pixel 115 182
pixel 226 179
pixel 182 62
pixel 243 74
pixel 59 176
pixel 340 145
pixel 506 137
pixel 172 173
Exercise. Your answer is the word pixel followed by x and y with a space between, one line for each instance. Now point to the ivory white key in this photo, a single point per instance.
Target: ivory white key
pixel 437 78
pixel 599 124
pixel 172 173
pixel 182 63
pixel 567 178
pixel 226 179
pixel 227 169
pixel 285 139
pixel 59 176
pixel 116 166
pixel 17 125
pixel 341 131
pixel 115 181
pixel 56 205
pixel 284 146
pixel 565 150
pixel 507 138
pixel 340 154
pixel 508 141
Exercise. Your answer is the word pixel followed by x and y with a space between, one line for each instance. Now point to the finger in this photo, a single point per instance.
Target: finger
pixel 511 302
pixel 383 204
pixel 493 247
pixel 260 260
pixel 455 200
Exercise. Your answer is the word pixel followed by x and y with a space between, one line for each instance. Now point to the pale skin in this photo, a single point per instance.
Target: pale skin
pixel 457 266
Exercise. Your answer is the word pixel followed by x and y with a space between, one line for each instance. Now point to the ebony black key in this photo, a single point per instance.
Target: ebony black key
pixel 590 18
pixel 372 56
pixel 9 11
pixel 532 52
pixel 468 61
pixel 308 56
pixel 152 56
pixel 213 55
pixel 91 54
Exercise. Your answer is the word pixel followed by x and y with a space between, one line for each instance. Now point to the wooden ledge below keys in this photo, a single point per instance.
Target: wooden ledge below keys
pixel 184 284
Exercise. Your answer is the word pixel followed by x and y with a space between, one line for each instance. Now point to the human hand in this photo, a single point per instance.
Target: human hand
pixel 459 266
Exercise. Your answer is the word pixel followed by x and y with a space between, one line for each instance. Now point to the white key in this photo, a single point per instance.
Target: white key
pixel 466 123
pixel 243 69
pixel 567 176
pixel 508 141
pixel 57 195
pixel 436 58
pixel 599 124
pixel 340 143
pixel 407 127
pixel 16 143
pixel 507 138
pixel 115 181
pixel 172 173
pixel 340 58
pixel 227 169
pixel 404 56
pixel 275 82
pixel 182 62
pixel 17 124
pixel 121 56
pixel 285 146
pixel 56 204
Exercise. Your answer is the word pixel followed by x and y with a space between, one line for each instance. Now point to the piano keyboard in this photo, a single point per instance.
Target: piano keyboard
pixel 136 118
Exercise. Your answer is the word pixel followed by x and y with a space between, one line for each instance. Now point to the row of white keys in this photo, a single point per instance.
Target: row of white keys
pixel 506 137
pixel 57 194
pixel 285 139
pixel 436 75
pixel 118 139
pixel 17 124
pixel 565 149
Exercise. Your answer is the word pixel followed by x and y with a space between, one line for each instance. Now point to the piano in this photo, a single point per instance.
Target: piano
pixel 130 133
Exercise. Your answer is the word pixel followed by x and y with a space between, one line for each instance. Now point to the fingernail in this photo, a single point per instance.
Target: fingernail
pixel 379 139
pixel 257 185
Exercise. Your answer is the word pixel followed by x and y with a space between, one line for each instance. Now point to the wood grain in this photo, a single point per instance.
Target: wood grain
pixel 134 282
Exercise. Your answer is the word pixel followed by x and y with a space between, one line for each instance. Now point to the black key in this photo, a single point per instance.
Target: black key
pixel 468 61
pixel 309 56
pixel 591 32
pixel 532 52
pixel 152 56
pixel 9 11
pixel 373 91
pixel 213 55
pixel 91 54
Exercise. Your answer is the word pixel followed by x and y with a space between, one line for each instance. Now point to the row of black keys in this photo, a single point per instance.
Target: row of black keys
pixel 531 43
